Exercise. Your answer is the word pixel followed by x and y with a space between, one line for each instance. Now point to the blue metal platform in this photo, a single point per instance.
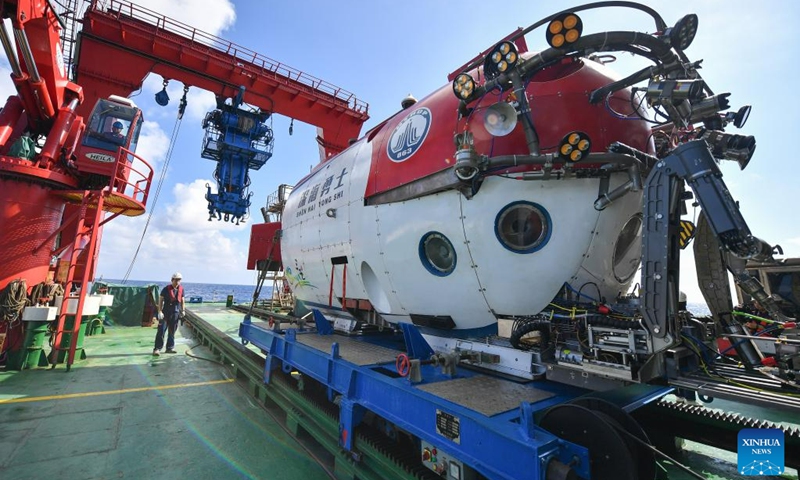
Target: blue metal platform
pixel 488 423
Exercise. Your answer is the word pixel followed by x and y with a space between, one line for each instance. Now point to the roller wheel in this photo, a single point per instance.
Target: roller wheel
pixel 646 460
pixel 610 456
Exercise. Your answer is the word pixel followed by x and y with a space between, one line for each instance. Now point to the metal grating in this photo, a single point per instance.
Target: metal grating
pixel 486 395
pixel 355 352
pixel 114 202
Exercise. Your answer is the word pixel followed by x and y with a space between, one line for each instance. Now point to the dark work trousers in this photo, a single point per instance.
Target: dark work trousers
pixel 170 324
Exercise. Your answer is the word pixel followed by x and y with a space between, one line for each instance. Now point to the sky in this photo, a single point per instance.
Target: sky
pixel 382 51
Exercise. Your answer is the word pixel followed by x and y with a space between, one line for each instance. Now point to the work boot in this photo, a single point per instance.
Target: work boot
pixel 171 350
pixel 156 353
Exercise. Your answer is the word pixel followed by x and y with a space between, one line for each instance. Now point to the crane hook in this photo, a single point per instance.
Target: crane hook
pixel 161 97
pixel 182 106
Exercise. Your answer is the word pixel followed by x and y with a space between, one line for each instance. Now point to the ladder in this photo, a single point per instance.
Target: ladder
pixel 84 246
pixel 67 11
pixel 282 291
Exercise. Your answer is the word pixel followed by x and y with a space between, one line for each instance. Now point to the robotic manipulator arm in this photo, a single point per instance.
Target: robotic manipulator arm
pixel 694 164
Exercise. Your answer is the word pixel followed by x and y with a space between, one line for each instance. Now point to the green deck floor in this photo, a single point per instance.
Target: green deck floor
pixel 125 414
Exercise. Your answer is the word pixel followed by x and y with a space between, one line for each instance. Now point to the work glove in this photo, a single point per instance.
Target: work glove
pixel 183 313
pixel 160 316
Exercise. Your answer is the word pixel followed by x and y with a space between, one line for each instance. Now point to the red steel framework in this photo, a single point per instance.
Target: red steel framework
pixel 122 42
pixel 50 210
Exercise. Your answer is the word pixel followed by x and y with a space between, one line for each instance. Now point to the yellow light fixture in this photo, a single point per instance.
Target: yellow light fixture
pixel 503 57
pixel 682 34
pixel 571 21
pixel 564 30
pixel 575 146
pixel 463 86
pixel 572 35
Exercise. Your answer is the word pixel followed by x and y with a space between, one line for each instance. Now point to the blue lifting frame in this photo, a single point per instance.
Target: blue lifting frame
pixel 238 140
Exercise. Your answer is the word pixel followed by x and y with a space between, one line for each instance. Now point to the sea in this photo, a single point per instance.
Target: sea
pixel 214 292
pixel 699 309
pixel 209 292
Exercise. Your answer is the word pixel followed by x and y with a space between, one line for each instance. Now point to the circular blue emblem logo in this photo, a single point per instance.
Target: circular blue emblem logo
pixel 409 135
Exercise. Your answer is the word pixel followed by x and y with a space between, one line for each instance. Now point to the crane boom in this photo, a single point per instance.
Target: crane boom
pixel 121 43
pixel 37 69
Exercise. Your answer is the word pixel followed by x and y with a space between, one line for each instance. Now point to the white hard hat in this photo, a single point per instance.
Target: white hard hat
pixel 177 275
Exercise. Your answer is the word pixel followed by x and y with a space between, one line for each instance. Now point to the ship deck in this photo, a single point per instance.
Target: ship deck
pixel 123 413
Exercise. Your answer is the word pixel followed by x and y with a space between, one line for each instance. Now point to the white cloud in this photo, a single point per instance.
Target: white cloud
pixel 179 237
pixel 153 144
pixel 209 16
pixel 198 102
pixel 188 214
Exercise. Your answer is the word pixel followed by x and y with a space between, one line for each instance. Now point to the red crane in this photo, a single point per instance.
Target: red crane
pixel 67 145
pixel 122 43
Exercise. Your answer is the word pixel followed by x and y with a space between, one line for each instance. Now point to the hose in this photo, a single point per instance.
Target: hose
pixel 659 21
pixel 95 322
pixel 202 358
pixel 634 42
pixel 522 329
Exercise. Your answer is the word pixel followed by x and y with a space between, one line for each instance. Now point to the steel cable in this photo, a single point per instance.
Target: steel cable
pixel 160 184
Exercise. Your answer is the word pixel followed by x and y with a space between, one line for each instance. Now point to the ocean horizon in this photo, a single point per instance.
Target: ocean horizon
pixel 215 292
pixel 209 292
pixel 218 292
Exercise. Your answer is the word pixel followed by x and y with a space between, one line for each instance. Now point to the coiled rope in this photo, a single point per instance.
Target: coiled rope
pixel 45 290
pixel 13 299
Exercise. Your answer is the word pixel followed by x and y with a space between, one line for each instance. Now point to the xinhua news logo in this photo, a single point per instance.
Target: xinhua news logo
pixel 760 451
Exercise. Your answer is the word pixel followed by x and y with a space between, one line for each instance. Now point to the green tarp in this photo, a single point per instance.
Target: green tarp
pixel 133 306
pixel 24 147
